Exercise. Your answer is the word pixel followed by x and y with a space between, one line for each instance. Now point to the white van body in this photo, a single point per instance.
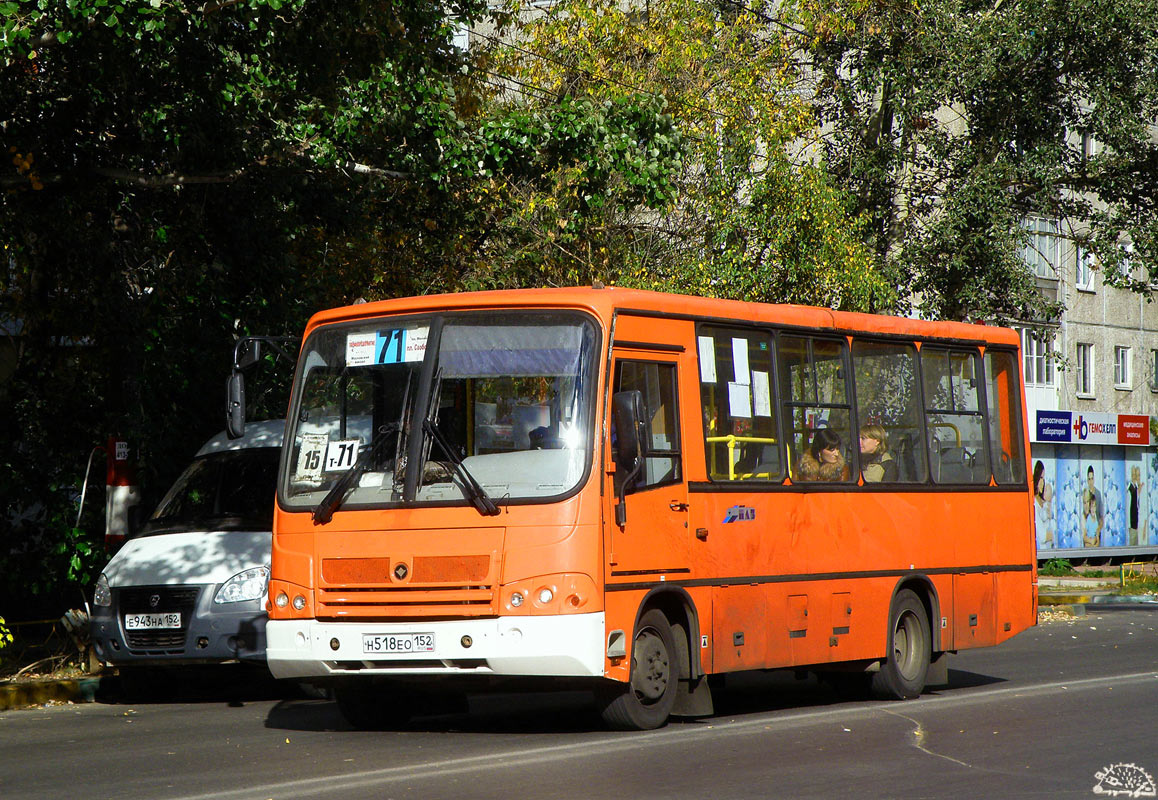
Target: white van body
pixel 190 587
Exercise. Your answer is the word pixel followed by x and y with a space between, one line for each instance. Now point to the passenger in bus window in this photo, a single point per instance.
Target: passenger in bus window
pixel 823 461
pixel 877 463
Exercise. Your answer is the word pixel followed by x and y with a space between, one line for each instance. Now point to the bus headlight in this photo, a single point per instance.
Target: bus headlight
pixel 247 585
pixel 564 593
pixel 101 595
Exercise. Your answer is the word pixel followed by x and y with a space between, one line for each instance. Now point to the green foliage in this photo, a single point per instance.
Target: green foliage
pixel 950 121
pixel 1056 567
pixel 178 175
pixel 5 634
pixel 728 213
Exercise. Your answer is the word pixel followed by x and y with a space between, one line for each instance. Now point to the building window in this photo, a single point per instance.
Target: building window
pixel 1121 367
pixel 1154 370
pixel 1085 369
pixel 1042 252
pixel 1036 347
pixel 1084 273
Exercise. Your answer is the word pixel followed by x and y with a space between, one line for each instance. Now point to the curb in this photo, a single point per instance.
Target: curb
pixel 1053 600
pixel 33 693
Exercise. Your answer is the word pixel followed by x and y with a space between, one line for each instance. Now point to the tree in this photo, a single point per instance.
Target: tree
pixel 952 120
pixel 180 174
pixel 750 216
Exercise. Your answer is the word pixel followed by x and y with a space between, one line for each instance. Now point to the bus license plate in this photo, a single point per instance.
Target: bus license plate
pixel 397 642
pixel 144 622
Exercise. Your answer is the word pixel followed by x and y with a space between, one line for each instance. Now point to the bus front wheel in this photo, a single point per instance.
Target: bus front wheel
pixel 646 701
pixel 370 706
pixel 906 665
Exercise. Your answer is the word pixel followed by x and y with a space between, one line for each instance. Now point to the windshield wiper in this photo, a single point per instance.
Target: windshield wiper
pixel 334 498
pixel 474 491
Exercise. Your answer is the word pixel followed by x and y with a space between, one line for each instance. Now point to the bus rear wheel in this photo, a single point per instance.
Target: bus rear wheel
pixel 906 665
pixel 646 701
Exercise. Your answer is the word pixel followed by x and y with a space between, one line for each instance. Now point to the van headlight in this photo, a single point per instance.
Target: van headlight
pixel 101 596
pixel 247 585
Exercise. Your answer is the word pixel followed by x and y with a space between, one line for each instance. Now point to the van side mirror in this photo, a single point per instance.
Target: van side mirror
pixel 235 406
pixel 630 439
pixel 246 353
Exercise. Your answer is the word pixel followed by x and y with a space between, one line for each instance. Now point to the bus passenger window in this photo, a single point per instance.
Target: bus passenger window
pixel 1004 402
pixel 657 383
pixel 817 417
pixel 953 416
pixel 889 412
pixel 740 437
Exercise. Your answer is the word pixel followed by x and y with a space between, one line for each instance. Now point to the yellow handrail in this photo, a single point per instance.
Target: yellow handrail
pixel 732 440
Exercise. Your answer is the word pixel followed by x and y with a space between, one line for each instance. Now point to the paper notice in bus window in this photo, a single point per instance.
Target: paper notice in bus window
pixel 739 400
pixel 360 349
pixel 340 456
pixel 761 395
pixel 310 458
pixel 740 361
pixel 707 348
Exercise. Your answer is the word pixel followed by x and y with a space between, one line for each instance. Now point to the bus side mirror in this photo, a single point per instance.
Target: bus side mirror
pixel 629 438
pixel 235 406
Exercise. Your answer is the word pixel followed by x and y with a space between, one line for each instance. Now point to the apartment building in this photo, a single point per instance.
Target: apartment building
pixel 1092 396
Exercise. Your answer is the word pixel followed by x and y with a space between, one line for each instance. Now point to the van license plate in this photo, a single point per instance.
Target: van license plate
pixel 144 622
pixel 398 643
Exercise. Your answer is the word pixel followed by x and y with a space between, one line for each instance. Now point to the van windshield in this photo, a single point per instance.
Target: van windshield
pixel 442 409
pixel 228 490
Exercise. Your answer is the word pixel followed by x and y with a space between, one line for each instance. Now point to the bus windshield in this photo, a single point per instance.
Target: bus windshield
pixel 443 409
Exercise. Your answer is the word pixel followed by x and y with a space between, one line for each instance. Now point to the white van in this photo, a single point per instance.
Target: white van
pixel 190 587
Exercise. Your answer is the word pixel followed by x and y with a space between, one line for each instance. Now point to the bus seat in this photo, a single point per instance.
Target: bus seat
pixel 906 461
pixel 1003 469
pixel 956 466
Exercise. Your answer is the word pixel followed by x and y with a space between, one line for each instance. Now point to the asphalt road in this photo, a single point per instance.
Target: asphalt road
pixel 1063 708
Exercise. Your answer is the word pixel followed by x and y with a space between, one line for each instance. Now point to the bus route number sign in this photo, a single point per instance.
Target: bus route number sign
pixel 394 643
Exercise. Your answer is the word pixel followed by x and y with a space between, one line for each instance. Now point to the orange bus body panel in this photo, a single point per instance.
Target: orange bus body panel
pixel 807 580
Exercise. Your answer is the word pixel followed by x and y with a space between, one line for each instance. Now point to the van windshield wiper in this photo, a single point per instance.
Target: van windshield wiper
pixel 337 494
pixel 474 491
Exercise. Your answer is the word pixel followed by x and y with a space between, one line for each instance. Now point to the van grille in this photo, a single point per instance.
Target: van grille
pixel 138 600
pixel 429 586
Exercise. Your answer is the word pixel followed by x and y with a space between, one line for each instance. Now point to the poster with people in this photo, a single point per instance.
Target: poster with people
pixel 1091 497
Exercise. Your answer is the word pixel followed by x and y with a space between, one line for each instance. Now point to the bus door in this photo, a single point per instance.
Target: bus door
pixel 652 542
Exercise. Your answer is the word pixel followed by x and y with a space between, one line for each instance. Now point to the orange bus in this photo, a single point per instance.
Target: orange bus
pixel 635 491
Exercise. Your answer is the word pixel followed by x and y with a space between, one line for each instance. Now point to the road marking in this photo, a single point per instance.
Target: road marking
pixel 713 727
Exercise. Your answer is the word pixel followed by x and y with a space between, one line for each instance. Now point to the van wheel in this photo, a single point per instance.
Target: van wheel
pixel 906 665
pixel 646 701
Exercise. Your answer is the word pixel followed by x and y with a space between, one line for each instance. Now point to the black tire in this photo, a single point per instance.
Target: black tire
pixel 906 665
pixel 645 703
pixel 373 707
pixel 143 685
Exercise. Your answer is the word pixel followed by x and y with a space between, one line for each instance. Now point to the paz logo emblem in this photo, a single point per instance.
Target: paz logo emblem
pixel 401 571
pixel 154 600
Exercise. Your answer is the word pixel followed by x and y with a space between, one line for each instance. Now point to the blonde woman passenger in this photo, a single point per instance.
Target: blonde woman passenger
pixel 876 462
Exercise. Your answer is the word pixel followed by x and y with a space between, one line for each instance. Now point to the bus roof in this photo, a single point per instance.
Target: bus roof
pixel 604 301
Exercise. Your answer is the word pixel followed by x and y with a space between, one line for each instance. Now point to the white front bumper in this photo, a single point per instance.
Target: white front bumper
pixel 568 645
